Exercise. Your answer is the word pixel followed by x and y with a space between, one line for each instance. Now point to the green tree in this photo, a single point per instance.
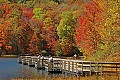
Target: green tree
pixel 39 14
pixel 65 31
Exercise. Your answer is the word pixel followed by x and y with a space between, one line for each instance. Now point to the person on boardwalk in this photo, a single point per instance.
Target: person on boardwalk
pixel 50 65
pixel 39 57
pixel 42 57
pixel 50 59
pixel 75 56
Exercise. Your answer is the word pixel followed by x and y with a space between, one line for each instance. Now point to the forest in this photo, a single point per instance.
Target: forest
pixel 61 28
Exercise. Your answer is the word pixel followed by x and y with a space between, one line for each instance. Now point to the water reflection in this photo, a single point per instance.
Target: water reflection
pixel 10 69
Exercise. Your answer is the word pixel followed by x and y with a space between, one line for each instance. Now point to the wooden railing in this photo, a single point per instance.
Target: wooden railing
pixel 71 66
pixel 99 67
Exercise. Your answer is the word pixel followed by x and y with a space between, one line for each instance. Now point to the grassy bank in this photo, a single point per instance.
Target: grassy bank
pixel 9 56
pixel 94 77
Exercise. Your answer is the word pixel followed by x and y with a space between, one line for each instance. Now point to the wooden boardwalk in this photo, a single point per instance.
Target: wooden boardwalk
pixel 70 66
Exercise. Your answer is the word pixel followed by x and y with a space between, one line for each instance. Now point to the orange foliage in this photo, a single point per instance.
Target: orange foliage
pixel 34 44
pixel 87 35
pixel 8 47
pixel 2 36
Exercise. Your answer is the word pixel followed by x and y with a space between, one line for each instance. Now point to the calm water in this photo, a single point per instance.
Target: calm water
pixel 10 69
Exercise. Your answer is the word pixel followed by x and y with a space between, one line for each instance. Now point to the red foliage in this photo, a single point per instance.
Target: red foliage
pixel 8 47
pixel 82 21
pixel 87 35
pixel 33 46
pixel 2 36
pixel 80 35
pixel 6 8
pixel 27 12
pixel 50 36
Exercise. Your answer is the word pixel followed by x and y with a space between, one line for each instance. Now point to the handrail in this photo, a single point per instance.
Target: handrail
pixel 75 65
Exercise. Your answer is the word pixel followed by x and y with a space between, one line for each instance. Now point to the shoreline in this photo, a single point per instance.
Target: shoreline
pixel 9 56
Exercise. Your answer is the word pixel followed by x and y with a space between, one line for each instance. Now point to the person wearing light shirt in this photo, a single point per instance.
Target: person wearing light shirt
pixel 50 59
pixel 75 56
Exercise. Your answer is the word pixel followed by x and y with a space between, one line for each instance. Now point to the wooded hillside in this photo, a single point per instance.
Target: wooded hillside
pixel 61 27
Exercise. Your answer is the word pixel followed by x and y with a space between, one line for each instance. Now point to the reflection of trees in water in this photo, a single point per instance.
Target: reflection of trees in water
pixel 31 72
pixel 25 73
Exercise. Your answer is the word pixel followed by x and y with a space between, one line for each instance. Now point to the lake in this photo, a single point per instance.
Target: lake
pixel 11 69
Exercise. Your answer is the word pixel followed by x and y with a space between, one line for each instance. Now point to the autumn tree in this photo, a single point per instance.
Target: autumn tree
pixel 109 31
pixel 33 46
pixel 5 48
pixel 39 14
pixel 4 29
pixel 1 11
pixel 51 35
pixel 14 14
pixel 87 34
pixel 65 31
pixel 2 37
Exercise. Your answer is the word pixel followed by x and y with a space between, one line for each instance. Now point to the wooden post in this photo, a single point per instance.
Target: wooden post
pixel 68 66
pixel 101 69
pixel 53 64
pixel 20 59
pixel 90 68
pixel 76 63
pixel 82 69
pixel 116 68
pixel 64 65
pixel 38 64
pixel 73 67
pixel 50 66
pixel 43 63
pixel 76 67
pixel 61 65
pixel 30 62
pixel 97 68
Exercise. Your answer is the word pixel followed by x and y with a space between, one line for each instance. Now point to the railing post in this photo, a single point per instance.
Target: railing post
pixel 101 69
pixel 68 66
pixel 73 67
pixel 50 66
pixel 77 71
pixel 61 64
pixel 53 65
pixel 82 68
pixel 97 66
pixel 90 69
pixel 116 68
pixel 76 67
pixel 64 65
